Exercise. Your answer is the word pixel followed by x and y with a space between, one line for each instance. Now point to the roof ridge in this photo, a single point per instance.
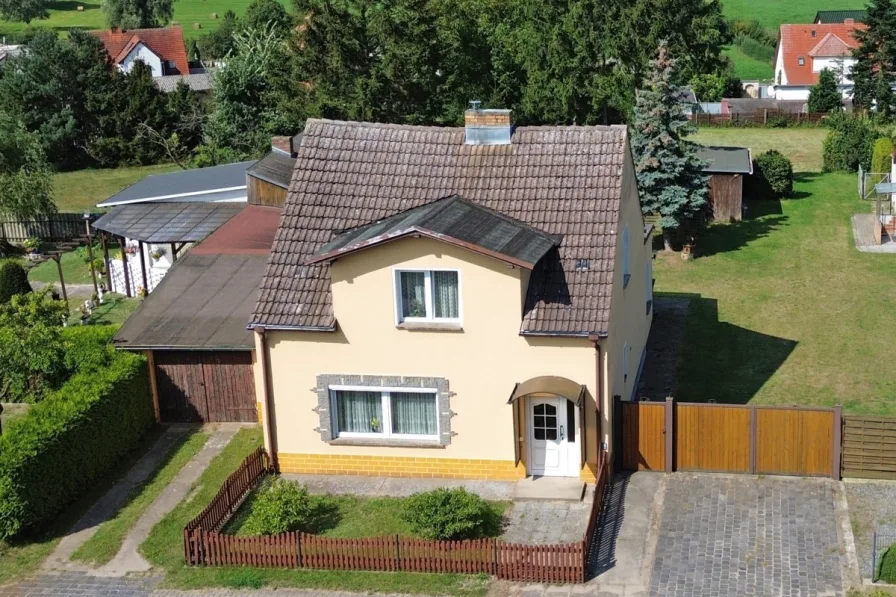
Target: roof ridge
pixel 390 125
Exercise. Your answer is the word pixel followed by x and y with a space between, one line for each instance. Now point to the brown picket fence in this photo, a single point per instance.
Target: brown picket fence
pixel 204 545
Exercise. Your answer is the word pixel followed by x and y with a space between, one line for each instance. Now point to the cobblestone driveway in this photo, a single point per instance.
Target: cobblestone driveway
pixel 739 535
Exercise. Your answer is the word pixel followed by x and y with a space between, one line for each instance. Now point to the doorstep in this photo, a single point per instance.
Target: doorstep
pixel 554 489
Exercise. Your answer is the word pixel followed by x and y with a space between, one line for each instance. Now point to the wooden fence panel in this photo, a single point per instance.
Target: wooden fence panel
pixel 542 563
pixel 274 551
pixel 711 437
pixel 459 557
pixel 869 447
pixel 58 227
pixel 643 436
pixel 794 441
pixel 375 553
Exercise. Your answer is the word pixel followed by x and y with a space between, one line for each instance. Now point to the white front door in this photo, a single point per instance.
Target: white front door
pixel 553 446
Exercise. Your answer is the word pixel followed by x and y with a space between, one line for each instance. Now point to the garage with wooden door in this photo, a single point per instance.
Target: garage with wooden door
pixel 192 327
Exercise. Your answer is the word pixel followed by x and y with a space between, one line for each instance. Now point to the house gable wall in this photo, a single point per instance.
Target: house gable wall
pixel 480 364
pixel 147 56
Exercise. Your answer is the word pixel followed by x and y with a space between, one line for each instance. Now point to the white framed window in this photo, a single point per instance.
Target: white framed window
pixel 427 296
pixel 394 413
pixel 648 285
pixel 626 262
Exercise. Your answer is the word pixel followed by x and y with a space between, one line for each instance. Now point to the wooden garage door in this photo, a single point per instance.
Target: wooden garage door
pixel 210 387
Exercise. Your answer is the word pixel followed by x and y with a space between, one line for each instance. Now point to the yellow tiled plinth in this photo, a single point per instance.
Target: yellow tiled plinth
pixel 395 466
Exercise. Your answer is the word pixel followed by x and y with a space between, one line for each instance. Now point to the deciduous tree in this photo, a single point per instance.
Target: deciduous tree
pixel 26 189
pixel 24 10
pixel 670 177
pixel 136 14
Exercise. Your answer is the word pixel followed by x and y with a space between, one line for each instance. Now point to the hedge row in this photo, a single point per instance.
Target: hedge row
pixel 70 439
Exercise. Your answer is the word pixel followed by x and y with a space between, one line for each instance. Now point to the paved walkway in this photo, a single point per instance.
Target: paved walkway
pixel 128 559
pixel 84 291
pixel 108 505
pixel 863 233
pixel 743 535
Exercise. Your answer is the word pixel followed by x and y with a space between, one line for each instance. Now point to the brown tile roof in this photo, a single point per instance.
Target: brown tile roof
pixel 797 41
pixel 563 180
pixel 167 43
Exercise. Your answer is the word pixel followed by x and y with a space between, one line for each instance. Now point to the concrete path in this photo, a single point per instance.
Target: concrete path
pixel 128 559
pixel 863 233
pixel 399 487
pixel 84 291
pixel 108 505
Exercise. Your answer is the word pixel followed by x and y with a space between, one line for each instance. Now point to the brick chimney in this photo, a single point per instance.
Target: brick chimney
pixel 849 21
pixel 282 144
pixel 487 127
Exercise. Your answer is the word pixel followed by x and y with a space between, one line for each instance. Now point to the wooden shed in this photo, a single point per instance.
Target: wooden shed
pixel 267 180
pixel 192 328
pixel 727 167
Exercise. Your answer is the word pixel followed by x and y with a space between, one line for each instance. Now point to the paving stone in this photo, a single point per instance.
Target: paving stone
pixel 725 535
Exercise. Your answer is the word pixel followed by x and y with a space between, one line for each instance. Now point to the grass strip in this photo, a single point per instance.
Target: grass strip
pixel 106 542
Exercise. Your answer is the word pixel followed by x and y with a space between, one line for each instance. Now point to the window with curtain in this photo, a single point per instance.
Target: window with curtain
pixel 428 295
pixel 393 413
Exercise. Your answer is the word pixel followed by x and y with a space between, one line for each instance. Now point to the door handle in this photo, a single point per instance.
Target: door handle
pixel 562 436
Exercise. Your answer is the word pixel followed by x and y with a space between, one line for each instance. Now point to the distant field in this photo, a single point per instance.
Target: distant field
pixel 65 15
pixel 83 189
pixel 772 13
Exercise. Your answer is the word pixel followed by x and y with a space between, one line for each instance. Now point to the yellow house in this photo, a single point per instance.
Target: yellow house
pixel 453 302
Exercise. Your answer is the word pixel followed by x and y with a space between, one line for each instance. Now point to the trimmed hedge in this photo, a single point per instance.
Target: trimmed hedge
pixel 887 570
pixel 882 155
pixel 69 440
pixel 88 346
pixel 774 172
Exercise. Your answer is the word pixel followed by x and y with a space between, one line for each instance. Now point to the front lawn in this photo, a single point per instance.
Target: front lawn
pixel 353 517
pixel 106 542
pixel 75 268
pixel 164 549
pixel 784 309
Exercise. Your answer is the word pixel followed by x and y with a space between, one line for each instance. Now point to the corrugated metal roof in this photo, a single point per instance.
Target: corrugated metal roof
pixel 167 222
pixel 227 182
pixel 453 220
pixel 276 168
pixel 726 160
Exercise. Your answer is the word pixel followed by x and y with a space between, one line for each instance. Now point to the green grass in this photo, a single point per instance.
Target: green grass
pixel 352 517
pixel 64 15
pixel 75 269
pixel 747 67
pixel 83 189
pixel 784 309
pixel 106 542
pixel 22 556
pixel 772 13
pixel 164 549
pixel 116 308
pixel 887 570
pixel 801 145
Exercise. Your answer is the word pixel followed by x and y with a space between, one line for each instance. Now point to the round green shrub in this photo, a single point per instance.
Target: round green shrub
pixel 775 172
pixel 13 281
pixel 882 155
pixel 282 506
pixel 447 514
pixel 849 143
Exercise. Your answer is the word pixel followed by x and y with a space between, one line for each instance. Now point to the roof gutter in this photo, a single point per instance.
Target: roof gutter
pixel 291 328
pixel 566 334
pixel 185 348
pixel 262 361
pixel 598 361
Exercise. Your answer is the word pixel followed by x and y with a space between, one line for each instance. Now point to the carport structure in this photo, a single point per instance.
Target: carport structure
pixel 174 224
pixel 192 327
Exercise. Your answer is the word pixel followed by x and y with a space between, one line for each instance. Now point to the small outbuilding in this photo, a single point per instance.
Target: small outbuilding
pixel 727 167
pixel 192 328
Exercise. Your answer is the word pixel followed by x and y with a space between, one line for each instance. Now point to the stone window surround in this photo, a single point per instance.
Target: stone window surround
pixel 443 407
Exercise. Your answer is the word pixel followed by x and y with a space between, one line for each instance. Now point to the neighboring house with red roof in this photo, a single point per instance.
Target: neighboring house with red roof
pixel 805 50
pixel 163 50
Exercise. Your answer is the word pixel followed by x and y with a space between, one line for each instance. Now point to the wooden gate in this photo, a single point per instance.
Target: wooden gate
pixel 730 438
pixel 643 436
pixel 869 447
pixel 205 386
